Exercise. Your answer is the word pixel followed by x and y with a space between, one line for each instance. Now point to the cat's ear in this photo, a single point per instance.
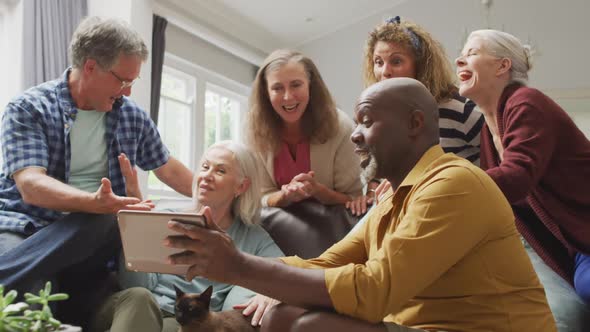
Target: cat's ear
pixel 179 293
pixel 206 295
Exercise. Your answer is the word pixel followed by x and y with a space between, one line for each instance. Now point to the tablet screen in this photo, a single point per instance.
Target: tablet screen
pixel 142 236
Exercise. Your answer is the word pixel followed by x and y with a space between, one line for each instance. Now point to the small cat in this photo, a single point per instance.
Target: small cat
pixel 193 315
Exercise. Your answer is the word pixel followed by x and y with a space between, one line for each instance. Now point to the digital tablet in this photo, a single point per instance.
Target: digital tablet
pixel 142 233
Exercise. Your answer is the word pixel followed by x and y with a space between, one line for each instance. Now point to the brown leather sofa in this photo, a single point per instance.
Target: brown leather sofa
pixel 307 228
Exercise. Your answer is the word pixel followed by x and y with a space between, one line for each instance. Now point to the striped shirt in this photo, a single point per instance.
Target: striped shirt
pixel 460 126
pixel 35 132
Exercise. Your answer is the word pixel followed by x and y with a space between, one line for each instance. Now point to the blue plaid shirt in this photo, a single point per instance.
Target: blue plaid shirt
pixel 36 133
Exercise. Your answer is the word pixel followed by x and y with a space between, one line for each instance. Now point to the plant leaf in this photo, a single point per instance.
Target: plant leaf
pixel 34 300
pixel 12 309
pixel 16 328
pixel 19 319
pixel 36 326
pixel 54 322
pixel 9 297
pixel 46 313
pixel 58 297
pixel 34 314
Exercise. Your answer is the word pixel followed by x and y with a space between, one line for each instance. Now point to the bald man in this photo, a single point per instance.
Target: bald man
pixel 440 253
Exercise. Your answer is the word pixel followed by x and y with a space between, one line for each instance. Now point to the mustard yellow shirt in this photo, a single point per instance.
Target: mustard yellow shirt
pixel 442 253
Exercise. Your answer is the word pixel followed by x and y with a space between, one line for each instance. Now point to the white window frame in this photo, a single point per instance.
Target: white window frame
pixel 192 104
pixel 242 100
pixel 205 79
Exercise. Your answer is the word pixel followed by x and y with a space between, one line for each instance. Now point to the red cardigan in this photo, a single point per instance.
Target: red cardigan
pixel 545 175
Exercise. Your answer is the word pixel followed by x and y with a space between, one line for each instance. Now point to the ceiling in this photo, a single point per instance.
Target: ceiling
pixel 298 22
pixel 265 25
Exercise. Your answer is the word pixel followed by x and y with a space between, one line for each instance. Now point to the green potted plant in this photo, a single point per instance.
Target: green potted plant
pixel 20 317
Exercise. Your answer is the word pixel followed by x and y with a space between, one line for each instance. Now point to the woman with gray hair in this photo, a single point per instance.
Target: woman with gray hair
pixel 227 182
pixel 533 151
pixel 244 205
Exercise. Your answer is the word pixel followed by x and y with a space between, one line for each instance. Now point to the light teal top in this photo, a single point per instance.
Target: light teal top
pixel 89 163
pixel 251 239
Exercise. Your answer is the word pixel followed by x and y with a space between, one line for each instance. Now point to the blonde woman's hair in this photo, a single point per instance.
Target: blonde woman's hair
pixel 433 68
pixel 247 205
pixel 319 121
pixel 504 45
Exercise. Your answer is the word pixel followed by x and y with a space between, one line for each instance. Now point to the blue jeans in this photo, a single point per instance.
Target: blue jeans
pixel 78 243
pixel 582 277
pixel 569 310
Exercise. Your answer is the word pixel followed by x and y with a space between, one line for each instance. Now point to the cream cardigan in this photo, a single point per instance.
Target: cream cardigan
pixel 334 163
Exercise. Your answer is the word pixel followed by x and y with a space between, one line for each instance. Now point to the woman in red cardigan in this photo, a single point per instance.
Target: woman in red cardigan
pixel 534 151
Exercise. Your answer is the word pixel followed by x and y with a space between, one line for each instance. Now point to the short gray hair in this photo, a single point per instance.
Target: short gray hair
pixel 247 205
pixel 504 45
pixel 104 40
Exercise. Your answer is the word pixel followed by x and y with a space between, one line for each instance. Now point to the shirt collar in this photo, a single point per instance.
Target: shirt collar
pixel 422 165
pixel 63 91
pixel 419 169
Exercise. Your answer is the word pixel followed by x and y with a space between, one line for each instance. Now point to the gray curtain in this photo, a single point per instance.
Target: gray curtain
pixel 48 28
pixel 158 49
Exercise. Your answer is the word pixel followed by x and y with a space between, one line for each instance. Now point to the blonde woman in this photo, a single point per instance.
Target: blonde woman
pixel 300 137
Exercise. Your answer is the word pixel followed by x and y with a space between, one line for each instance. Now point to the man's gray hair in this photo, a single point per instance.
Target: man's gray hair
pixel 104 40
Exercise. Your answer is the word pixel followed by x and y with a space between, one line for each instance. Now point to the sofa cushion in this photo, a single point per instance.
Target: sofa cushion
pixel 307 228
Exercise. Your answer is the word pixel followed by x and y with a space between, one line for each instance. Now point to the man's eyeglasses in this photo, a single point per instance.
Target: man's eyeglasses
pixel 124 84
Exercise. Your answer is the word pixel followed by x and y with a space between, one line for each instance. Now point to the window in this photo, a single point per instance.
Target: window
pixel 222 115
pixel 197 109
pixel 177 103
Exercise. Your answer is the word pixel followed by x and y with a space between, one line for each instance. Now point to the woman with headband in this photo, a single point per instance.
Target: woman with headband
pixel 404 49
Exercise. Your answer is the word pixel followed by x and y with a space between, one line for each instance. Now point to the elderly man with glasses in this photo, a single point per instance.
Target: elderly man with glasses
pixel 62 143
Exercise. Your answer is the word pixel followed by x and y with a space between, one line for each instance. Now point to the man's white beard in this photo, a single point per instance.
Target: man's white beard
pixel 370 172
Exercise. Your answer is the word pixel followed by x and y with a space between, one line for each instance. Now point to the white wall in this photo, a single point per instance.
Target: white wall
pixel 579 110
pixel 558 30
pixel 200 52
pixel 11 44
